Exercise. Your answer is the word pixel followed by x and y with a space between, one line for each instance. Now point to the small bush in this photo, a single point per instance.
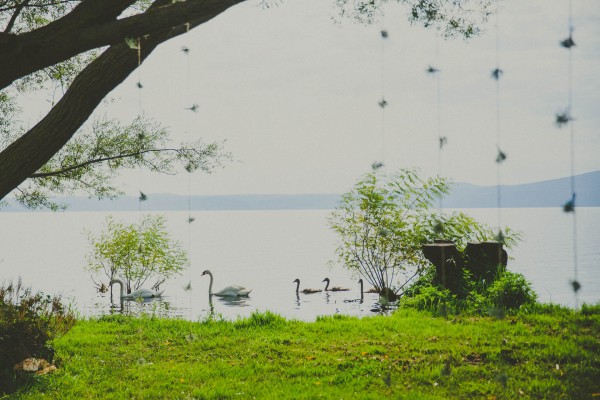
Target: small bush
pixel 428 297
pixel 28 322
pixel 510 291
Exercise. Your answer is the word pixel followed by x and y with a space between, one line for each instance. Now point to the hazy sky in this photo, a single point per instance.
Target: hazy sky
pixel 296 97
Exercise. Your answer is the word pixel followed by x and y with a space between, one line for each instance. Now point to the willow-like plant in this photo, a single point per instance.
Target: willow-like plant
pixel 136 253
pixel 375 223
pixel 383 222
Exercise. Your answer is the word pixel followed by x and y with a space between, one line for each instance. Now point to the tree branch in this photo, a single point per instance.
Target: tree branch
pixel 97 160
pixel 4 7
pixel 30 152
pixel 94 24
pixel 15 15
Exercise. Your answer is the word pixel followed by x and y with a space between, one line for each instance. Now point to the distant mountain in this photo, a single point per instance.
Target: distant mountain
pixel 551 193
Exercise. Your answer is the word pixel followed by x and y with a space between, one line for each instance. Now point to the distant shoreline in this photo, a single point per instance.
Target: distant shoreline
pixel 544 194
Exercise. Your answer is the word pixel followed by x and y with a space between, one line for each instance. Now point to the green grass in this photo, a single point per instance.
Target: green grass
pixel 552 354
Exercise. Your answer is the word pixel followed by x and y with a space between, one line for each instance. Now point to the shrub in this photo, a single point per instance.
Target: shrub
pixel 510 291
pixel 375 224
pixel 383 222
pixel 28 322
pixel 428 297
pixel 137 252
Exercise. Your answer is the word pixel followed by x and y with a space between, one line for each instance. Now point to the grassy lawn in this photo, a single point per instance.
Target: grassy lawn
pixel 410 355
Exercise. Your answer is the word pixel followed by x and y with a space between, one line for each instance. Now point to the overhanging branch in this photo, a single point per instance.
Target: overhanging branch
pixel 15 15
pixel 30 152
pixel 94 24
pixel 98 160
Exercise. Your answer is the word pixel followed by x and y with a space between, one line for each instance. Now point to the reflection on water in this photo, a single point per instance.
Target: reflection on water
pixel 301 306
pixel 380 309
pixel 234 301
pixel 156 307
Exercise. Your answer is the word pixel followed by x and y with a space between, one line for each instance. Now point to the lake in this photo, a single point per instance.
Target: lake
pixel 266 251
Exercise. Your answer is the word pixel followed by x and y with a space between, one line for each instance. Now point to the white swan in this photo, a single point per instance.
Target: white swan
pixel 136 294
pixel 229 291
pixel 333 289
pixel 305 291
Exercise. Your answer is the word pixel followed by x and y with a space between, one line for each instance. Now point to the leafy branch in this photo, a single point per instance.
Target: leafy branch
pixel 383 222
pixel 90 160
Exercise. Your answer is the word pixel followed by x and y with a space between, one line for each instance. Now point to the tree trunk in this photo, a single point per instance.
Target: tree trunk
pixel 31 151
pixel 94 24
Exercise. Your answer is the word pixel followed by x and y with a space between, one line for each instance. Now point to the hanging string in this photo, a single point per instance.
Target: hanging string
pixel 188 287
pixel 501 156
pixel 194 107
pixel 383 102
pixel 139 72
pixel 562 119
pixel 440 139
pixel 190 219
pixel 142 196
pixel 441 142
pixel 141 135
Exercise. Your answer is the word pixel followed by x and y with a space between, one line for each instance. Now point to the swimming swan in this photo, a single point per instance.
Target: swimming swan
pixel 229 291
pixel 333 289
pixel 362 296
pixel 136 294
pixel 305 291
pixel 372 290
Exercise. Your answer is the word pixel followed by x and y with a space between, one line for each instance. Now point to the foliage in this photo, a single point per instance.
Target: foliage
pixel 8 113
pixel 384 220
pixel 58 76
pixel 137 252
pixel 428 297
pixel 452 18
pixel 375 224
pixel 409 355
pixel 509 293
pixel 92 158
pixel 461 229
pixel 28 323
pixel 34 14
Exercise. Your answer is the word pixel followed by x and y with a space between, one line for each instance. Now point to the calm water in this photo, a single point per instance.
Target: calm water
pixel 266 251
